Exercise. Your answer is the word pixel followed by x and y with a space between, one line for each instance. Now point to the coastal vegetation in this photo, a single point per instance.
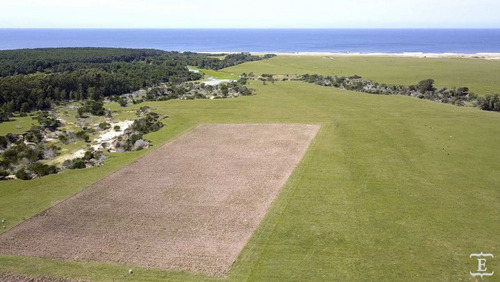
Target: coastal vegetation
pixel 490 102
pixel 190 91
pixel 37 152
pixel 85 82
pixel 384 191
pixel 424 89
pixel 39 78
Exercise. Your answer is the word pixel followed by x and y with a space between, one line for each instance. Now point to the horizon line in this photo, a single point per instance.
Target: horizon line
pixel 250 28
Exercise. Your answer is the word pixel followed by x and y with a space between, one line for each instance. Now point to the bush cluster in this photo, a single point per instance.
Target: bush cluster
pixel 424 89
pixel 92 107
pixel 490 102
pixel 91 158
pixel 20 154
pixel 133 137
pixel 190 91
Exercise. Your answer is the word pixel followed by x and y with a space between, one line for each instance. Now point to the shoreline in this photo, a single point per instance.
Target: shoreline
pixel 481 55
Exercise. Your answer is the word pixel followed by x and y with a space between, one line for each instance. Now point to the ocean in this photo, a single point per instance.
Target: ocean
pixel 263 40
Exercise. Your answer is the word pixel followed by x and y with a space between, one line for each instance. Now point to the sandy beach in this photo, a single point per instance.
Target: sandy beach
pixel 486 56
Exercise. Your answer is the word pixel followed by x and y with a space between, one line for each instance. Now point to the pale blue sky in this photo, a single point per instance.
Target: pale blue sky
pixel 250 14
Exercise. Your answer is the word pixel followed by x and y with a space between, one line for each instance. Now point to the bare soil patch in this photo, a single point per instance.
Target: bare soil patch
pixel 192 204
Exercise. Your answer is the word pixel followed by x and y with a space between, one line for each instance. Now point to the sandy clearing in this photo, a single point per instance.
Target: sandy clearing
pixel 107 136
pixel 192 204
pixel 110 135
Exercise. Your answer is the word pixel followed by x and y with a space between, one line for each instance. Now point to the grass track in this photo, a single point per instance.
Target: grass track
pixel 384 193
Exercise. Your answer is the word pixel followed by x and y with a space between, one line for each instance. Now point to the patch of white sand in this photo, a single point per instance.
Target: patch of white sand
pixel 107 136
pixel 110 134
pixel 212 81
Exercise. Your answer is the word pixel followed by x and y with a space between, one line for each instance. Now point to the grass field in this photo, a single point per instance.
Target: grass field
pixel 481 76
pixel 17 125
pixel 221 74
pixel 393 188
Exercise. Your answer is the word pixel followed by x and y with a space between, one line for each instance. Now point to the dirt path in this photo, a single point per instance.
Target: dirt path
pixel 192 204
pixel 12 277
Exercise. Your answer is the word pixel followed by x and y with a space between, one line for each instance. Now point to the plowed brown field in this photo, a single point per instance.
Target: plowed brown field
pixel 192 204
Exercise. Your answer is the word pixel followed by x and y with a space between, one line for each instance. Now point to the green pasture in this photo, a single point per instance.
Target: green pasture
pixel 481 76
pixel 220 74
pixel 392 188
pixel 17 125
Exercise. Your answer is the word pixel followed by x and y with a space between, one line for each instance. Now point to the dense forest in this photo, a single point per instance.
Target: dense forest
pixel 35 79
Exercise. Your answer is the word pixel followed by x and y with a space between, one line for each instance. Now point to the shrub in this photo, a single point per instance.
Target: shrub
pixel 3 173
pixel 43 169
pixel 104 125
pixel 64 138
pixel 47 121
pixel 20 151
pixel 11 137
pixel 35 134
pixel 122 101
pixel 94 107
pixel 4 116
pixel 83 135
pixel 77 164
pixel 88 155
pixel 3 142
pixel 143 110
pixel 147 124
pixel 426 85
pixel 490 102
pixel 23 174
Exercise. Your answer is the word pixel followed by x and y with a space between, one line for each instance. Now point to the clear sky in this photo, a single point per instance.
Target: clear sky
pixel 250 14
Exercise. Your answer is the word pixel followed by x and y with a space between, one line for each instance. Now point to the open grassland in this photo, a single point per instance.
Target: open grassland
pixel 481 76
pixel 393 188
pixel 221 74
pixel 17 125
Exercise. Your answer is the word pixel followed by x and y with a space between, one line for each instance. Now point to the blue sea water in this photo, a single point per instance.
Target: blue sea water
pixel 262 40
